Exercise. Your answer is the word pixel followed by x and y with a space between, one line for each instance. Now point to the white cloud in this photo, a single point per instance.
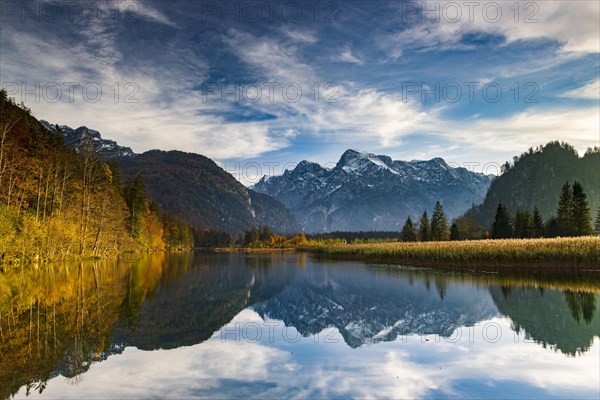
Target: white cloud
pixel 171 115
pixel 275 61
pixel 170 120
pixel 300 36
pixel 574 24
pixel 369 113
pixel 346 55
pixel 143 9
pixel 588 91
pixel 579 127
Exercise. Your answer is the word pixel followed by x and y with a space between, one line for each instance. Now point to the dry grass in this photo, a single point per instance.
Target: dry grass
pixel 582 253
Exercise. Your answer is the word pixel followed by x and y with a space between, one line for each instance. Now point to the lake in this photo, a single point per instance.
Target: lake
pixel 287 325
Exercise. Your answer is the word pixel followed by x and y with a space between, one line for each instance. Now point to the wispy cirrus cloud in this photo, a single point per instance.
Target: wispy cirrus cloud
pixel 432 25
pixel 346 55
pixel 351 81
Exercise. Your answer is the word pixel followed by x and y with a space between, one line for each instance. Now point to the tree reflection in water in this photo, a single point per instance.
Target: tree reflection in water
pixel 59 319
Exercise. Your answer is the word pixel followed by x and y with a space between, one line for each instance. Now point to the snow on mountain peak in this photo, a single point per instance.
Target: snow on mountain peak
pixel 365 191
pixel 356 161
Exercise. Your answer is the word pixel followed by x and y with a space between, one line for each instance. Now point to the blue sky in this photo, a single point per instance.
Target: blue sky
pixel 410 80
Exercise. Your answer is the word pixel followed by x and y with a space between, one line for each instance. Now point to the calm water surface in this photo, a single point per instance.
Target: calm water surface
pixel 286 325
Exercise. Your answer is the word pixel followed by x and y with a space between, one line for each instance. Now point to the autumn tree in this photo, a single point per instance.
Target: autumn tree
pixel 135 196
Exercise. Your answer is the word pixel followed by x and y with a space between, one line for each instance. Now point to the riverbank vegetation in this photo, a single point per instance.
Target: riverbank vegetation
pixel 554 253
pixel 56 204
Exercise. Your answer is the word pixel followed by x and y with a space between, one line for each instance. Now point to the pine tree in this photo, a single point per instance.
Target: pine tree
pixel 454 232
pixel 523 225
pixel 502 227
pixel 537 223
pixel 424 228
pixel 564 212
pixel 582 224
pixel 409 233
pixel 552 228
pixel 439 223
pixel 597 225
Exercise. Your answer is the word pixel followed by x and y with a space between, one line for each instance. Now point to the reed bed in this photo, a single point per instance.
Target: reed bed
pixel 580 253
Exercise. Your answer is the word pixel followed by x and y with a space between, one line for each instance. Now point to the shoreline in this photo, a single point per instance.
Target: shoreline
pixel 557 255
pixel 250 249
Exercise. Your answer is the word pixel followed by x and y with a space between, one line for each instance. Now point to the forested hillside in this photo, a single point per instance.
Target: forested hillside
pixel 536 178
pixel 204 194
pixel 58 204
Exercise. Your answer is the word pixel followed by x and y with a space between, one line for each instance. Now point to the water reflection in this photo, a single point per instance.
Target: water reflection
pixel 371 307
pixel 565 321
pixel 285 325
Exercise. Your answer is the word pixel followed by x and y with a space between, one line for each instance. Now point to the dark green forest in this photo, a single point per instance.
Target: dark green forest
pixel 537 177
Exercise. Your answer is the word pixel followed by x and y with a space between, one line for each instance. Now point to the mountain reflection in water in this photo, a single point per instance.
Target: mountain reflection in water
pixel 62 320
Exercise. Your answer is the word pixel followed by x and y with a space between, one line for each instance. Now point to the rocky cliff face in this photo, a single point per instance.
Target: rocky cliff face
pixel 85 138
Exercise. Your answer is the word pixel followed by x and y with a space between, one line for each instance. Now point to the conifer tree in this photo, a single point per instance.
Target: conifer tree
pixel 409 233
pixel 552 228
pixel 582 224
pixel 597 225
pixel 439 223
pixel 564 212
pixel 523 225
pixel 502 227
pixel 454 232
pixel 424 228
pixel 537 223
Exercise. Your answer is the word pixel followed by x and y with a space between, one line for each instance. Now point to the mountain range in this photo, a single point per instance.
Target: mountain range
pixel 362 192
pixel 366 192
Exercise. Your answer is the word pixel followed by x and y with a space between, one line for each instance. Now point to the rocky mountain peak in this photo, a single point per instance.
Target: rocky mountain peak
pixel 357 162
pixel 90 139
pixel 366 191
